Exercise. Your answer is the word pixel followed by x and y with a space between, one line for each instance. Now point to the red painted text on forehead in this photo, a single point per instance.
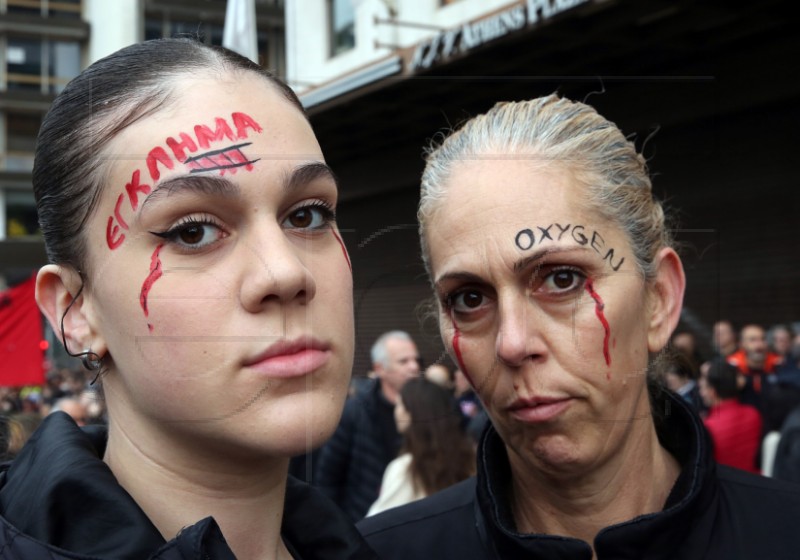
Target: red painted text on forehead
pixel 192 151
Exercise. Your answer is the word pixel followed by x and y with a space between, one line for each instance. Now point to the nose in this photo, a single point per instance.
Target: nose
pixel 517 337
pixel 274 272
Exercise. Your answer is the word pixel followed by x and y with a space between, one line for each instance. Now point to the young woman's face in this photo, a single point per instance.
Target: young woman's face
pixel 219 285
pixel 543 309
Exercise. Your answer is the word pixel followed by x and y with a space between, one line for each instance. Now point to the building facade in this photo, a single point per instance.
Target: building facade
pixel 705 89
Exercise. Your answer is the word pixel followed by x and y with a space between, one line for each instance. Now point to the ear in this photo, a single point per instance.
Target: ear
pixel 57 288
pixel 666 298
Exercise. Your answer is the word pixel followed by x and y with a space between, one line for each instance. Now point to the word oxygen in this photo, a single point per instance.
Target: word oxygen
pixel 526 239
pixel 181 150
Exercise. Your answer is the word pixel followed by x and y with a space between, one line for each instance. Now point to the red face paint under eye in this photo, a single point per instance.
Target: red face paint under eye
pixel 344 249
pixel 457 350
pixel 598 309
pixel 155 273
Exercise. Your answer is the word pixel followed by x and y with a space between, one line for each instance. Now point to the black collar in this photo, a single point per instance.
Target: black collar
pixel 59 491
pixel 653 536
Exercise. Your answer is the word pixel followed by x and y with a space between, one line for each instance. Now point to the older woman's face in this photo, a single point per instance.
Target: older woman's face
pixel 543 309
pixel 220 288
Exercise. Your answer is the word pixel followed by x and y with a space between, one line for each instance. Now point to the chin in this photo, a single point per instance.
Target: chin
pixel 302 427
pixel 558 455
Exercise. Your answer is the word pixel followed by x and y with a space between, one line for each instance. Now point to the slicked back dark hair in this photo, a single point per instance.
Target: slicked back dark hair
pixel 103 100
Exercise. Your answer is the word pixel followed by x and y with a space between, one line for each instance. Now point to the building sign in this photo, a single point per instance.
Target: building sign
pixel 471 35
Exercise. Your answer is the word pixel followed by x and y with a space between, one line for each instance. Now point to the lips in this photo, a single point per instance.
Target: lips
pixel 290 358
pixel 540 409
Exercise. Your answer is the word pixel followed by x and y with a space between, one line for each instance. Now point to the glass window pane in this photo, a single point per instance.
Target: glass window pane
pixel 21 141
pixel 28 7
pixel 215 33
pixel 24 63
pixel 65 64
pixel 65 8
pixel 153 29
pixel 21 219
pixel 22 131
pixel 342 26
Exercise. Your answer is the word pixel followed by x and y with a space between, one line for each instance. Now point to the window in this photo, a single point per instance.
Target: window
pixel 65 8
pixel 342 19
pixel 41 65
pixel 21 218
pixel 24 64
pixel 61 8
pixel 65 63
pixel 21 141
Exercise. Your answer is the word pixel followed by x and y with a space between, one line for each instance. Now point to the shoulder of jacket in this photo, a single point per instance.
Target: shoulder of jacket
pixel 735 481
pixel 442 507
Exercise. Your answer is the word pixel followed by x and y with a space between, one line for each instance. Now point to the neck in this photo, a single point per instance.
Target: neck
pixel 634 482
pixel 176 488
pixel 388 392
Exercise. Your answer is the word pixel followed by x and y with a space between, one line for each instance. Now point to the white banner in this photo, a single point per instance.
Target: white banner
pixel 240 28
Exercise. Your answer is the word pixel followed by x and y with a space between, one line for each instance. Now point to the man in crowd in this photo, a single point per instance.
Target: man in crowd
pixel 753 359
pixel 351 464
pixel 724 338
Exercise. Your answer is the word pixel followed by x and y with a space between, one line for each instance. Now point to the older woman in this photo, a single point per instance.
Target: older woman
pixel 189 217
pixel 557 287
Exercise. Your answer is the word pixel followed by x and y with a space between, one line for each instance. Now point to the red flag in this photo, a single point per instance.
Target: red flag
pixel 21 358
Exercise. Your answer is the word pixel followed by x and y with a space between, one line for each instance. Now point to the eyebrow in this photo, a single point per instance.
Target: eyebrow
pixel 203 184
pixel 306 173
pixel 221 187
pixel 542 253
pixel 517 267
pixel 467 277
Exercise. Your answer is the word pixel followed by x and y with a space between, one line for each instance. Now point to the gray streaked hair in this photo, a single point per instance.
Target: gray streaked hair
pixel 566 133
pixel 378 352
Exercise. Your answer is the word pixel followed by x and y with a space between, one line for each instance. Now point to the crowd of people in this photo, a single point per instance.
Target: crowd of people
pixel 22 409
pixel 745 391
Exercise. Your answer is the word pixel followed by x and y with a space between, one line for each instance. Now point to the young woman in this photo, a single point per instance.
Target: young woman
pixel 436 451
pixel 189 217
pixel 557 288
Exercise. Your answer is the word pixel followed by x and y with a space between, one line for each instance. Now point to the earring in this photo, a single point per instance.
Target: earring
pixel 89 362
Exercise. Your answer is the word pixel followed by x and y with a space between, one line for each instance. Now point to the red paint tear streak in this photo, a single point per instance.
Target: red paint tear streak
pixel 155 274
pixel 457 351
pixel 344 250
pixel 598 309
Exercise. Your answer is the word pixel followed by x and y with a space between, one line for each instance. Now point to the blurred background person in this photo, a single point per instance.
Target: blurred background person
pixel 724 338
pixel 686 343
pixel 735 428
pixel 468 400
pixel 436 452
pixel 779 341
pixel 754 361
pixel 441 375
pixel 73 407
pixel 681 377
pixel 351 464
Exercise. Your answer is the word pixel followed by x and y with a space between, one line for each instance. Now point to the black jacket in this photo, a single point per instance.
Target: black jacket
pixel 351 463
pixel 58 500
pixel 713 512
